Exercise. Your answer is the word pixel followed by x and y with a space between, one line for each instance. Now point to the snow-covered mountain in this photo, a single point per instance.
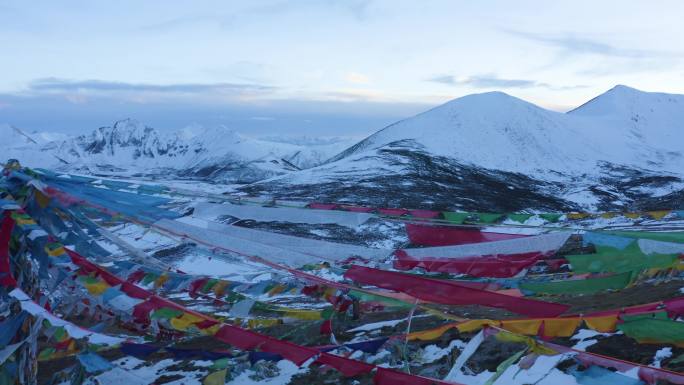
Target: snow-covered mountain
pixel 623 149
pixel 131 148
pixel 35 147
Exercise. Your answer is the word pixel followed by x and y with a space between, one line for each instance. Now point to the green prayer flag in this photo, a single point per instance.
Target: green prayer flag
pixel 488 217
pixel 551 217
pixel 654 331
pixel 367 297
pixel 665 236
pixel 327 313
pixel 166 313
pixel 221 363
pixel 520 218
pixel 505 365
pixel 610 259
pixel 46 354
pixel 88 279
pixel 268 287
pixel 149 278
pixel 678 359
pixel 233 297
pixel 455 217
pixel 661 315
pixel 209 285
pixel 60 334
pixel 579 286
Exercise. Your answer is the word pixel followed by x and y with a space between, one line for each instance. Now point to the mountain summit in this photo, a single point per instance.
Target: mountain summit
pixel 615 151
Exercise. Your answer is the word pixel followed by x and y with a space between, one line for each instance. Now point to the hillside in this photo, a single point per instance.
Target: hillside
pixel 494 151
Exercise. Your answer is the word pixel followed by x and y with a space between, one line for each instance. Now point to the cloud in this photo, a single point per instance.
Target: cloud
pixel 359 10
pixel 65 85
pixel 323 117
pixel 486 81
pixel 355 95
pixel 355 77
pixel 444 79
pixel 356 8
pixel 85 91
pixel 572 44
pixel 493 81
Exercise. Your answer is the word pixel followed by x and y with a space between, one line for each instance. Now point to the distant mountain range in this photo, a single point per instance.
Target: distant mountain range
pixel 131 148
pixel 622 150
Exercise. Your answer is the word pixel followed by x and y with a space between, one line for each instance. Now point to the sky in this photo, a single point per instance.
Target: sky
pixel 319 67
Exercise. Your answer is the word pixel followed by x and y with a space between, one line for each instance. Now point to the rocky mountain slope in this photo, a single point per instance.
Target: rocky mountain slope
pixel 622 150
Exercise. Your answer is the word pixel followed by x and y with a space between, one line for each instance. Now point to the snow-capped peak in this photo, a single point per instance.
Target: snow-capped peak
pixel 623 100
pixel 485 149
pixel 129 146
pixel 498 131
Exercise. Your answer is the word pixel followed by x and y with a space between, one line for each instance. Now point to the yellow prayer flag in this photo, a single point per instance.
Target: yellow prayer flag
pixel 602 324
pixel 216 378
pixel 24 221
pixel 220 288
pixel 527 327
pixel 263 323
pixel 55 252
pixel 96 288
pixel 210 331
pixel 535 347
pixel 184 321
pixel 476 324
pixel 679 265
pixel 577 215
pixel 277 289
pixel 658 214
pixel 161 280
pixel 431 334
pixel 308 315
pixel 42 199
pixel 561 327
pixel 330 291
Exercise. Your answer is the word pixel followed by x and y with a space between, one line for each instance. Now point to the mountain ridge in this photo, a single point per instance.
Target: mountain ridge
pixel 585 159
pixel 128 147
pixel 488 151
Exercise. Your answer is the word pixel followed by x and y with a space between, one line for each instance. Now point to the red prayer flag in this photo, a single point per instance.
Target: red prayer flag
pixel 347 366
pixel 427 214
pixel 322 206
pixel 358 209
pixel 451 293
pixel 427 235
pixel 498 266
pixel 393 377
pixel 240 338
pixel 393 212
pixel 6 278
